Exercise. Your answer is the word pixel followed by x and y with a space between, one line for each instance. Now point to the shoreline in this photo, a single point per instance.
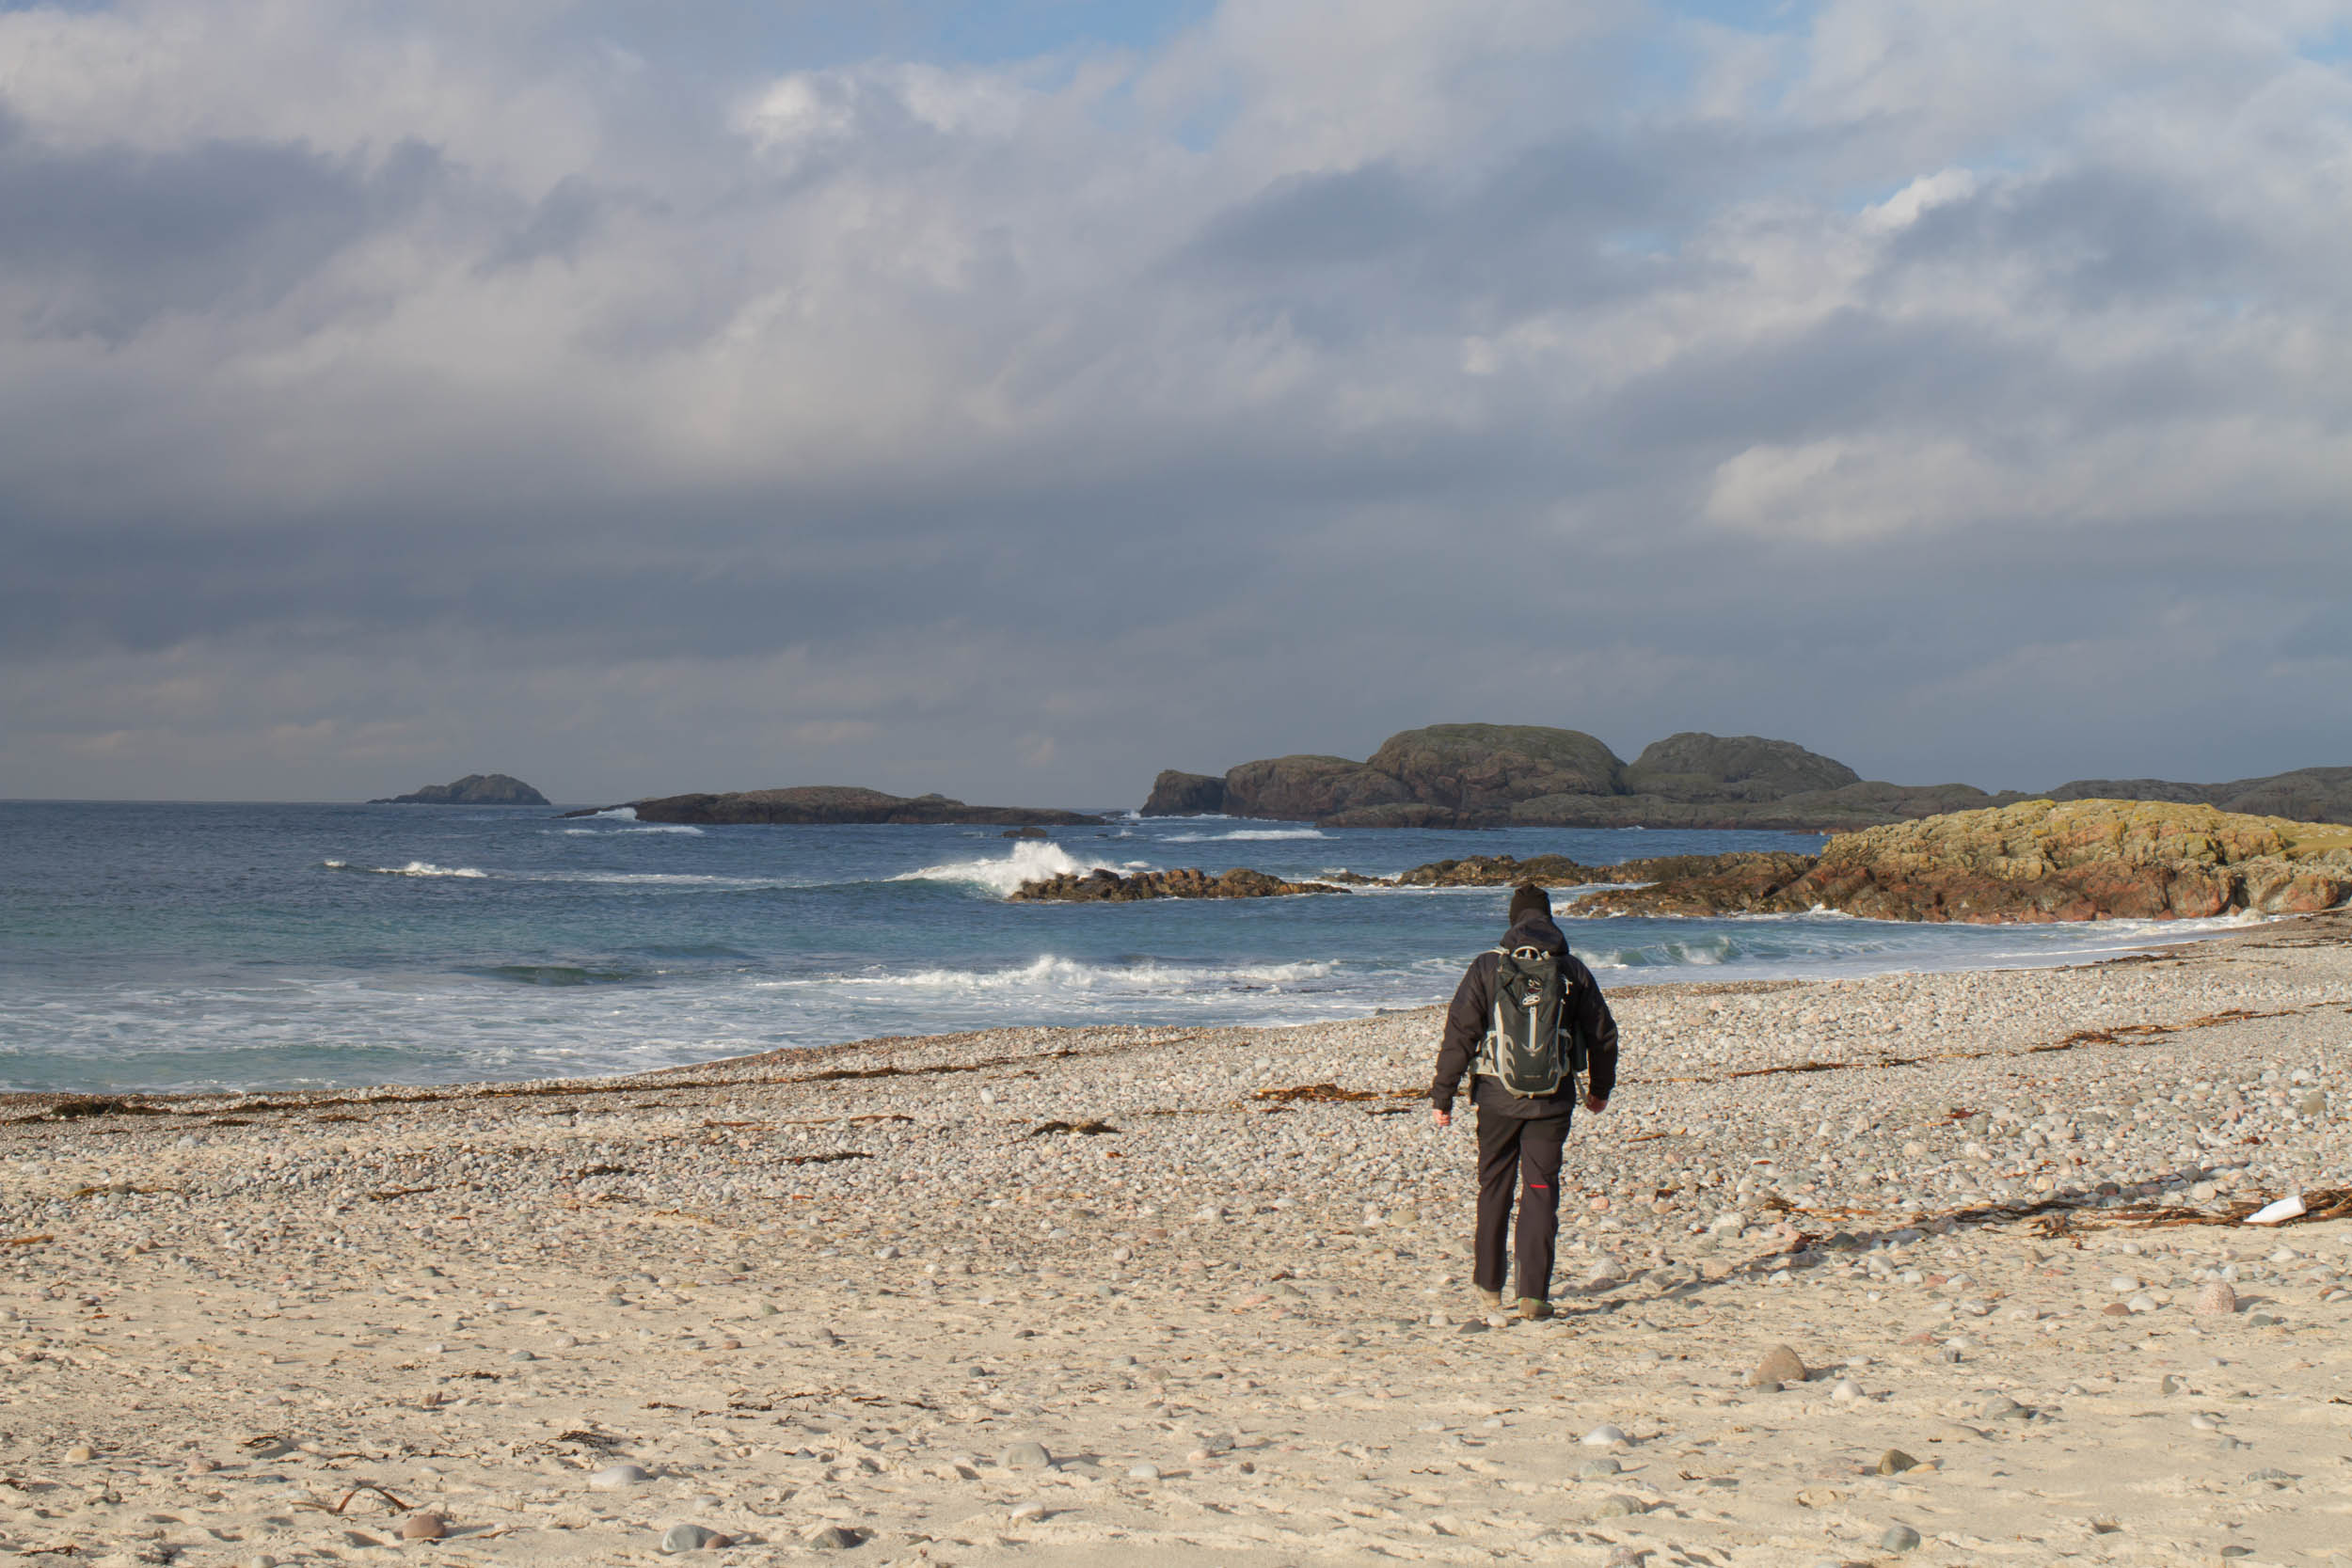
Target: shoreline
pixel 1616 981
pixel 1218 1275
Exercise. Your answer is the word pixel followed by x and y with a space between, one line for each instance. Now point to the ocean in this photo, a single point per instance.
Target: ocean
pixel 216 946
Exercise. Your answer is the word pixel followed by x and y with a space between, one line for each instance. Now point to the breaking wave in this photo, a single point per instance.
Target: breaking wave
pixel 1051 973
pixel 414 868
pixel 1245 833
pixel 1031 862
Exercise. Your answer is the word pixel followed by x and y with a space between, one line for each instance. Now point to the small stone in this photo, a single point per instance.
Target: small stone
pixel 2115 1310
pixel 522 1355
pixel 1894 1462
pixel 688 1538
pixel 80 1453
pixel 615 1478
pixel 1781 1366
pixel 1898 1537
pixel 1617 1505
pixel 2002 1408
pixel 1030 1509
pixel 2141 1302
pixel 835 1538
pixel 2217 1300
pixel 424 1527
pixel 1596 1469
pixel 1025 1456
pixel 1846 1392
pixel 1603 1437
pixel 1143 1472
pixel 259 1560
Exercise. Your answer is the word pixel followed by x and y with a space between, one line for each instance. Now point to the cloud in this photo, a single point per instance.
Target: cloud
pixel 379 389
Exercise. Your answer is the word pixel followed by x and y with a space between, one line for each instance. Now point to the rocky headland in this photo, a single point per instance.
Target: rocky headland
pixel 1526 775
pixel 2038 860
pixel 474 789
pixel 835 804
pixel 1109 887
pixel 2035 862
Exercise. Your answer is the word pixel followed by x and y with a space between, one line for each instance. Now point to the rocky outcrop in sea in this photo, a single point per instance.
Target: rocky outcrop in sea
pixel 837 804
pixel 1109 887
pixel 474 789
pixel 2035 862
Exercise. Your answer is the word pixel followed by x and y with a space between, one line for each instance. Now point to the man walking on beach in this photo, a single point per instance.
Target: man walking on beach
pixel 1523 1081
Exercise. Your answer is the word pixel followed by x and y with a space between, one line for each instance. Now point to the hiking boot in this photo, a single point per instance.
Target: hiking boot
pixel 1490 1300
pixel 1534 1311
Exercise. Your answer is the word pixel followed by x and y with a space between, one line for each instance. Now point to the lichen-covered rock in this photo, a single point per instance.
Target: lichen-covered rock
pixel 2035 862
pixel 1109 887
pixel 1752 881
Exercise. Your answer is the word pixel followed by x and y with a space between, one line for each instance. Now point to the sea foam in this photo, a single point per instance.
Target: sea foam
pixel 1031 862
pixel 414 868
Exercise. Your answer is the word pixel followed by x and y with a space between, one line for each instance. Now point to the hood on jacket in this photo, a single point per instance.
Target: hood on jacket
pixel 1536 930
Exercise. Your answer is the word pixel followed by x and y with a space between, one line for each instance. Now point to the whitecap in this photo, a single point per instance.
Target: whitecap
pixel 1052 975
pixel 414 868
pixel 1246 833
pixel 1031 861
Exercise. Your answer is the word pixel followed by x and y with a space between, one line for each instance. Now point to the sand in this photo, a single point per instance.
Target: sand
pixel 839 1293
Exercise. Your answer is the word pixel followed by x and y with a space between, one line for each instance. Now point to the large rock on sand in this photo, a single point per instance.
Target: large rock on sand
pixel 2035 861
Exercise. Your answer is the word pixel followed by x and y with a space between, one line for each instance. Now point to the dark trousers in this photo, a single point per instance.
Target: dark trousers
pixel 1525 1155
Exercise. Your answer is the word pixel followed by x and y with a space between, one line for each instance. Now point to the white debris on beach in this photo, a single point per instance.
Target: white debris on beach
pixel 1947 1265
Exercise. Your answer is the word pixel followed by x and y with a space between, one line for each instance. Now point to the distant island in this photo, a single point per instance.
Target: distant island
pixel 1526 775
pixel 837 804
pixel 474 789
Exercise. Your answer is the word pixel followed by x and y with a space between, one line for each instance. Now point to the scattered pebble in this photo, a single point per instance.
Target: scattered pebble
pixel 1780 1367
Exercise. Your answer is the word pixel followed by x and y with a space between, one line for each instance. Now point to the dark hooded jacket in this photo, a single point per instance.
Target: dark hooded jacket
pixel 1467 1020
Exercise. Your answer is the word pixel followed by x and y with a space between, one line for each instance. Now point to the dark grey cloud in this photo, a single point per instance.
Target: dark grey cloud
pixel 111 237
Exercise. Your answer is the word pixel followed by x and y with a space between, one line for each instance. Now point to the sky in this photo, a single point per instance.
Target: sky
pixel 1016 399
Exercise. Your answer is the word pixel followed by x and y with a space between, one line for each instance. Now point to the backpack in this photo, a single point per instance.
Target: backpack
pixel 1530 1050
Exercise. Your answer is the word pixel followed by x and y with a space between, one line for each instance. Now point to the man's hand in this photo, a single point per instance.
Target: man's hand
pixel 1597 1103
pixel 1440 1118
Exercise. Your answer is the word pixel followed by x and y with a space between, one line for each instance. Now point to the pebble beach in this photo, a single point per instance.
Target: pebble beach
pixel 1937 1268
